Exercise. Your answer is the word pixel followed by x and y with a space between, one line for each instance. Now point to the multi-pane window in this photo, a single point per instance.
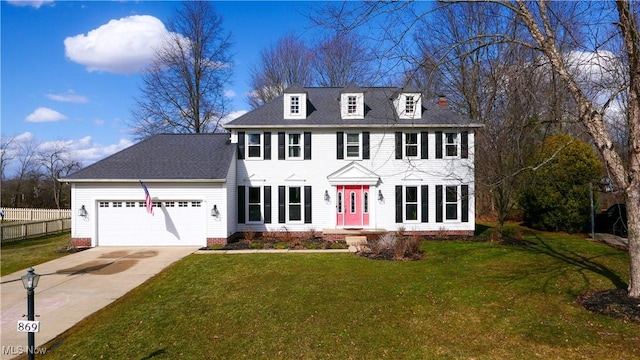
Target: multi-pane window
pixel 103 204
pixel 117 204
pixel 142 204
pixel 183 203
pixel 295 203
pixel 255 200
pixel 365 202
pixel 352 105
pixel 196 204
pixel 295 105
pixel 451 144
pixel 295 146
pixel 352 202
pixel 169 204
pixel 254 148
pixel 340 211
pixel 411 144
pixel 451 203
pixel 353 145
pixel 410 105
pixel 130 204
pixel 411 202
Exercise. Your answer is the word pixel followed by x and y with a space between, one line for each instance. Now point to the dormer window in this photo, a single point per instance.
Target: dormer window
pixel 352 105
pixel 409 105
pixel 295 106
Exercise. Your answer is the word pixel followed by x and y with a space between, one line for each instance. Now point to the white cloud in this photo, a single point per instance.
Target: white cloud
pixel 86 150
pixel 230 93
pixel 122 46
pixel 43 114
pixel 68 97
pixel 33 3
pixel 233 115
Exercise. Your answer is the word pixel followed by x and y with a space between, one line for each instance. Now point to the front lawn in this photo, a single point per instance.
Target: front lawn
pixel 21 254
pixel 464 299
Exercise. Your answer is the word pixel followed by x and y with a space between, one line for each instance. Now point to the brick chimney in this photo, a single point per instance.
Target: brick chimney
pixel 442 101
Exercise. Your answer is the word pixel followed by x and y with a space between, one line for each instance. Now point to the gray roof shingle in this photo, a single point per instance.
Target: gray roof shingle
pixel 323 110
pixel 165 156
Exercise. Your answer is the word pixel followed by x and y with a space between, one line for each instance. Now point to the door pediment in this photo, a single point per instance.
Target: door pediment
pixel 353 173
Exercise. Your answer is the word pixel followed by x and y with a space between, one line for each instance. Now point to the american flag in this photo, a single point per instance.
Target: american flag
pixel 147 198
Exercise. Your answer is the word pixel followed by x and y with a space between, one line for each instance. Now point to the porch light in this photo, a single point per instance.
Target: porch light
pixel 380 197
pixel 83 212
pixel 30 281
pixel 214 212
pixel 327 198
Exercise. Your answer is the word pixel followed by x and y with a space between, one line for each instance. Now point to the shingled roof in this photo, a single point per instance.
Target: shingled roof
pixel 165 157
pixel 323 110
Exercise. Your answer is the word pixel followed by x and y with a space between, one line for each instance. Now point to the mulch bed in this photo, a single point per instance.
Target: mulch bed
pixel 615 303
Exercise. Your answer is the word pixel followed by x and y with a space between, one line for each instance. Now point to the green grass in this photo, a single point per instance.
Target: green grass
pixel 464 300
pixel 18 255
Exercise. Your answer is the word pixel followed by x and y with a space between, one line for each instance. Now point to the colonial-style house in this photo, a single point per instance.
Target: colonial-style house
pixel 370 159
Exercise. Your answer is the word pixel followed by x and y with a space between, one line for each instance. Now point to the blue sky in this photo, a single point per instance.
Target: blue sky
pixel 68 67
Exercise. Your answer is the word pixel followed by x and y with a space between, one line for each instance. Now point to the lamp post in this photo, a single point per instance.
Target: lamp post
pixel 30 281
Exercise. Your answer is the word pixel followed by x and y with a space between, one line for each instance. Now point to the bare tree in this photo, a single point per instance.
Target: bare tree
pixel 342 59
pixel 7 154
pixel 183 90
pixel 28 171
pixel 57 163
pixel 283 64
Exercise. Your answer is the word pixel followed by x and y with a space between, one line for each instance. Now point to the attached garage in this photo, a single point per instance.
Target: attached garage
pixel 173 223
pixel 190 179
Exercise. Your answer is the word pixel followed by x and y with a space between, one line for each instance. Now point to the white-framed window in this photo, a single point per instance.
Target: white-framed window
pixel 169 204
pixel 117 204
pixel 196 203
pixel 254 145
pixel 352 144
pixel 183 203
pixel 295 203
pixel 411 144
pixel 451 144
pixel 409 105
pixel 339 203
pixel 130 204
pixel 352 105
pixel 255 204
pixel 103 204
pixel 352 202
pixel 142 204
pixel 295 105
pixel 411 203
pixel 294 146
pixel 451 203
pixel 157 204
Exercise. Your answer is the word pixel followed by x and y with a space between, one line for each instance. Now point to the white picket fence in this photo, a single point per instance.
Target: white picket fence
pixel 16 230
pixel 25 214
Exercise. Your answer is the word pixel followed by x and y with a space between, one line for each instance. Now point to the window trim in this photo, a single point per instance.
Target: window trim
pixel 347 145
pixel 260 146
pixel 259 205
pixel 299 205
pixel 289 146
pixel 447 203
pixel 415 203
pixel 416 145
pixel 455 145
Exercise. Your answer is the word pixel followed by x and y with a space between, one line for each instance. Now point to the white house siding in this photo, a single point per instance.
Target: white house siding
pixel 90 194
pixel 392 172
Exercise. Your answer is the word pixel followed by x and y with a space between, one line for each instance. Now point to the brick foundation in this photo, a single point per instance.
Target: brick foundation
pixel 216 241
pixel 81 242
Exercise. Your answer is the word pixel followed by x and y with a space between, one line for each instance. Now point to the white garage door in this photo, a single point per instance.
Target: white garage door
pixel 173 223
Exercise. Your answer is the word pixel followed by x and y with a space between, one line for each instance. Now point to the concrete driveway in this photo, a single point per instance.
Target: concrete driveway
pixel 75 286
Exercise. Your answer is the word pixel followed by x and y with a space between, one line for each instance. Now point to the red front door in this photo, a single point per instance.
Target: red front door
pixel 352 205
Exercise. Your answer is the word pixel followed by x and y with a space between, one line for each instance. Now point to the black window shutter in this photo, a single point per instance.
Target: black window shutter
pixel 282 204
pixel 424 203
pixel 241 145
pixel 267 145
pixel 398 145
pixel 241 204
pixel 340 144
pixel 438 144
pixel 365 145
pixel 281 146
pixel 398 204
pixel 307 204
pixel 307 146
pixel 424 145
pixel 439 204
pixel 464 144
pixel 267 204
pixel 464 189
